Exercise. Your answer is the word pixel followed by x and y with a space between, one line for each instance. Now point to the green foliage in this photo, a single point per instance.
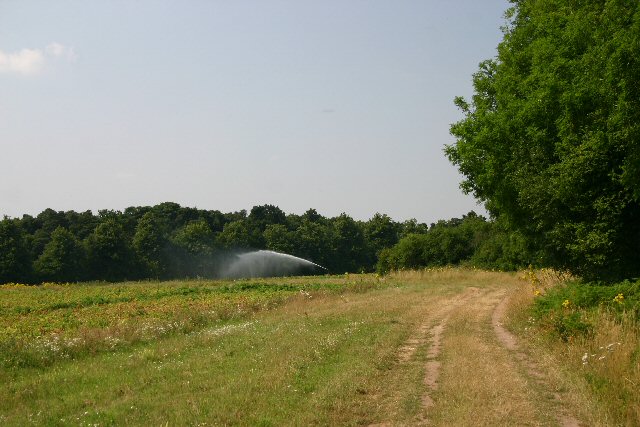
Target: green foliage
pixel 502 250
pixel 412 226
pixel 195 244
pixel 15 262
pixel 550 138
pixel 110 256
pixel 349 246
pixel 563 308
pixel 168 241
pixel 381 232
pixel 469 239
pixel 261 216
pixel 240 234
pixel 313 242
pixel 63 258
pixel 592 295
pixel 278 238
pixel 150 243
pixel 196 238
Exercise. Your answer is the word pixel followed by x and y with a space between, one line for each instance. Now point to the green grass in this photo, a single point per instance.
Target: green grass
pixel 41 324
pixel 239 377
pixel 292 351
pixel 566 310
pixel 289 351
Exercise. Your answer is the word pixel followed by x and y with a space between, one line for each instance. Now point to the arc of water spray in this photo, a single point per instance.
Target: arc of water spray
pixel 293 257
pixel 265 263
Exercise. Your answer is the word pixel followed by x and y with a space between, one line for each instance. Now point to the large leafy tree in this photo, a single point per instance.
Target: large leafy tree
pixel 151 245
pixel 47 221
pixel 381 232
pixel 261 216
pixel 196 244
pixel 241 235
pixel 349 245
pixel 62 259
pixel 551 138
pixel 15 261
pixel 278 238
pixel 109 251
pixel 313 242
pixel 196 238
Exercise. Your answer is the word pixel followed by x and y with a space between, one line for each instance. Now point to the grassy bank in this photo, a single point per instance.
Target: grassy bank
pixel 592 331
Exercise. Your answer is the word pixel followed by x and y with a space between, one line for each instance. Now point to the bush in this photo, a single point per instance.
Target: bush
pixel 563 309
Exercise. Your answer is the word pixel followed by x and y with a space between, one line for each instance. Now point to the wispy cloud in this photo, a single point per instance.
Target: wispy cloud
pixel 61 51
pixel 26 61
pixel 32 61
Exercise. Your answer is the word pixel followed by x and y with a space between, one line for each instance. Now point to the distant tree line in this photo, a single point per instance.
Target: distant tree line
pixel 169 241
pixel 470 240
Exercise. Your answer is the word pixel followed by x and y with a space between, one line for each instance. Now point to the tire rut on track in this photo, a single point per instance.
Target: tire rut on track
pixel 509 341
pixel 431 331
pixel 474 370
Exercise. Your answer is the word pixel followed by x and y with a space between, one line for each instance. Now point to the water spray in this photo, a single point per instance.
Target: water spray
pixel 265 263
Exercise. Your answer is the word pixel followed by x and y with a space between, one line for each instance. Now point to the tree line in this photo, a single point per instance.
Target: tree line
pixel 168 241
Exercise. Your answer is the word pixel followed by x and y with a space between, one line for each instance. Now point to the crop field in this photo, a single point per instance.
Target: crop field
pixel 55 337
pixel 410 348
pixel 40 324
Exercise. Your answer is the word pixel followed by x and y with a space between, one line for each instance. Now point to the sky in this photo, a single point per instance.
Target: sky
pixel 337 105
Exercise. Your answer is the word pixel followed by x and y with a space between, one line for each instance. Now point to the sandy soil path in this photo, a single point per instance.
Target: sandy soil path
pixel 475 372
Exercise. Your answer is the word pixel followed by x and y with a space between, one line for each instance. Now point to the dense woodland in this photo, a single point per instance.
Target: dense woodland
pixel 169 241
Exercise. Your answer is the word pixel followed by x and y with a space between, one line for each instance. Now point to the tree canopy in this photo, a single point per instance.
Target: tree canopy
pixel 550 140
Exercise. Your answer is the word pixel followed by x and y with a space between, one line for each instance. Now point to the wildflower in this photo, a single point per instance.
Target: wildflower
pixel 585 358
pixel 566 303
pixel 618 298
pixel 536 292
pixel 305 293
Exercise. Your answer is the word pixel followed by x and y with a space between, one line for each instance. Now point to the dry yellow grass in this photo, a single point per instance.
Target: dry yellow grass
pixel 481 381
pixel 600 371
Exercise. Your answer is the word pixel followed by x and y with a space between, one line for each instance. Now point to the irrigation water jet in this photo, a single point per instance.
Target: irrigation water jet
pixel 265 263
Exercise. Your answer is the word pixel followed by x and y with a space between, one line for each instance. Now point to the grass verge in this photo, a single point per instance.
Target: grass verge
pixel 592 331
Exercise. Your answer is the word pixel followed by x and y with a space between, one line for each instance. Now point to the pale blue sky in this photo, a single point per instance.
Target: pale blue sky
pixel 341 106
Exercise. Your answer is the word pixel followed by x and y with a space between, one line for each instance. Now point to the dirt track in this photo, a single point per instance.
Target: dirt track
pixel 475 370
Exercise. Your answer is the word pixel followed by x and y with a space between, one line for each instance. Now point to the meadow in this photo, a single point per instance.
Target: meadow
pixel 100 353
pixel 408 348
